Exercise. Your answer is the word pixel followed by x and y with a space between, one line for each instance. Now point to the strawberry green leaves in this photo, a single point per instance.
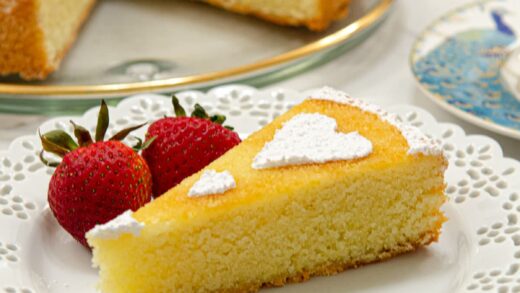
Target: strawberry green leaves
pixel 61 143
pixel 219 119
pixel 58 142
pixel 81 134
pixel 102 122
pixel 198 112
pixel 123 133
pixel 177 108
pixel 140 146
pixel 46 162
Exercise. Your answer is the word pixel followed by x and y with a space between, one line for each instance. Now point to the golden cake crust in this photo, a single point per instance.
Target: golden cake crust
pixel 338 267
pixel 330 10
pixel 22 43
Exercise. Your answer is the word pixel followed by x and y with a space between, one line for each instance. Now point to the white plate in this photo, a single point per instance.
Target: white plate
pixel 479 249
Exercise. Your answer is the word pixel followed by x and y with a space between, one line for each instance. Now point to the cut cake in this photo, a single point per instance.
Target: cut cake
pixel 36 34
pixel 281 213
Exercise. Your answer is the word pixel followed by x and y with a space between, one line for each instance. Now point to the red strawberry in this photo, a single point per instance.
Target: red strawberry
pixel 184 145
pixel 95 181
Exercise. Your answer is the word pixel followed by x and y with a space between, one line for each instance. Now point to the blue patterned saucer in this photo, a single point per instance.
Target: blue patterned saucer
pixel 459 62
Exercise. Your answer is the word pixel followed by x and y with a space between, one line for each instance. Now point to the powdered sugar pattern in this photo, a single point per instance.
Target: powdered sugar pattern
pixel 122 224
pixel 311 138
pixel 212 182
pixel 418 142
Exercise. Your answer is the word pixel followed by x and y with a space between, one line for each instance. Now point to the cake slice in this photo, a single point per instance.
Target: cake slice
pixel 316 15
pixel 36 34
pixel 332 184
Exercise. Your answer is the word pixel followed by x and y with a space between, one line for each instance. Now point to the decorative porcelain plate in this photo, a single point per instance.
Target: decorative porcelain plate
pixel 479 249
pixel 168 45
pixel 465 61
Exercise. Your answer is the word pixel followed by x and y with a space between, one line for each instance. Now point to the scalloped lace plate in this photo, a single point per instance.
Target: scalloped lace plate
pixel 479 250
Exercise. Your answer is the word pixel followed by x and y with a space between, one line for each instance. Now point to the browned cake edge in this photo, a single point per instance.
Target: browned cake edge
pixel 22 47
pixel 338 267
pixel 330 10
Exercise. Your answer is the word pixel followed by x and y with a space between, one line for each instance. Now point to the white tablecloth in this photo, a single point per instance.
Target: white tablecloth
pixel 377 69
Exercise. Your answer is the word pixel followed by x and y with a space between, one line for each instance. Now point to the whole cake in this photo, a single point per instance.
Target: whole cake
pixel 316 15
pixel 35 34
pixel 332 184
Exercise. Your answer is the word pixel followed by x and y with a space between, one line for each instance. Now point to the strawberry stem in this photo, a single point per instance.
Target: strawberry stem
pixel 102 122
pixel 178 109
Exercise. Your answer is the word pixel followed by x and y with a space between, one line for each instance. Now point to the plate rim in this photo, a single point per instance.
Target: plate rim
pixel 475 120
pixel 374 16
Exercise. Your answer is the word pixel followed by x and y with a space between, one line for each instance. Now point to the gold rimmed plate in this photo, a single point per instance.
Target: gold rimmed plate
pixel 165 46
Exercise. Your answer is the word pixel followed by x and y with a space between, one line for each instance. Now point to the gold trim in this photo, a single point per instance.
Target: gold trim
pixel 155 85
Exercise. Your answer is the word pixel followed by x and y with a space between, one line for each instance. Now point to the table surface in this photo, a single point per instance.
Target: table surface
pixel 377 70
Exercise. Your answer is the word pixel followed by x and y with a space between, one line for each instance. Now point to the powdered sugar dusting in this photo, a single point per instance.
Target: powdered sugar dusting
pixel 418 142
pixel 212 182
pixel 311 138
pixel 122 224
